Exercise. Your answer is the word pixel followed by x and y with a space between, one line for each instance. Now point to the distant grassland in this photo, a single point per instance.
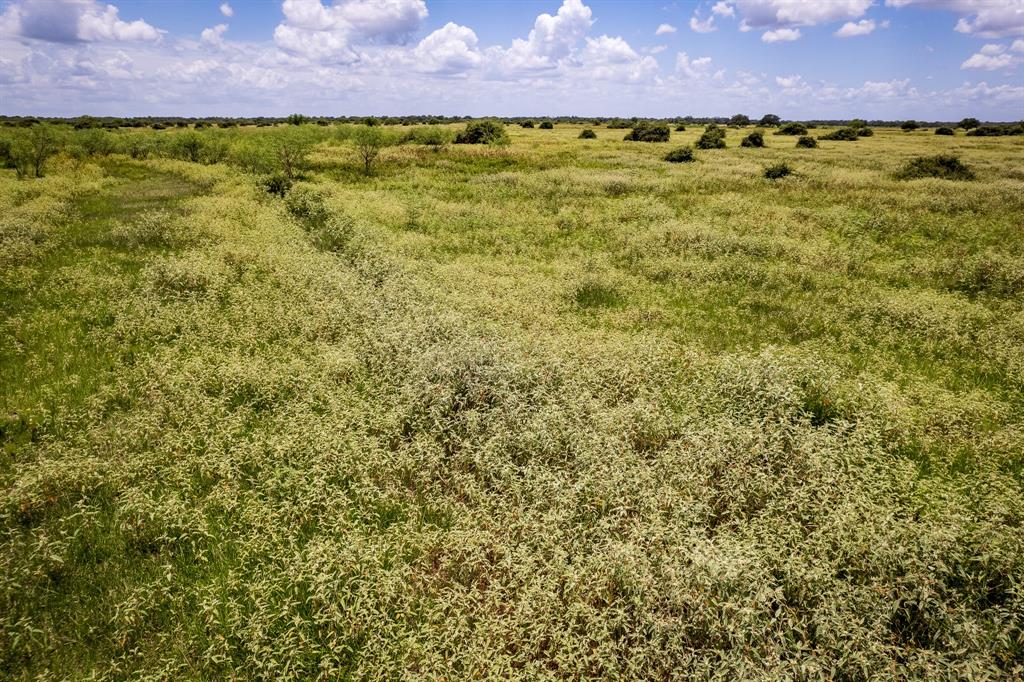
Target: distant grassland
pixel 550 410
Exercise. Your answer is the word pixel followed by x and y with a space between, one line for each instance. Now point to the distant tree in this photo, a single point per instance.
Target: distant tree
pixel 291 148
pixel 770 120
pixel 369 141
pixel 910 125
pixel 739 120
pixel 30 150
pixel 857 123
pixel 482 132
pixel 969 123
pixel 371 121
pixel 296 119
pixel 645 131
pixel 792 128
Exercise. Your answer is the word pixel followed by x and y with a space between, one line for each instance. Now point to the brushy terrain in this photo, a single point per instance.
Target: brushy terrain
pixel 553 409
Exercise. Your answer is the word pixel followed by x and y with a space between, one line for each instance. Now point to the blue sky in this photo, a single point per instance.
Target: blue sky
pixel 927 59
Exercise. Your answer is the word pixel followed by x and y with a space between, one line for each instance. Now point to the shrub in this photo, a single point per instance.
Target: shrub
pixel 296 119
pixel 546 125
pixel 944 131
pixel 792 128
pixel 95 142
pixel 778 170
pixel 31 149
pixel 680 128
pixel 909 126
pixel 969 123
pixel 806 142
pixel 754 139
pixel 431 136
pixel 620 123
pixel 588 134
pixel 680 155
pixel 739 120
pixel 645 131
pixel 526 124
pixel 277 184
pixel 943 166
pixel 996 131
pixel 857 123
pixel 864 131
pixel 712 138
pixel 139 147
pixel 482 132
pixel 843 134
pixel 307 205
pixel 770 120
pixel 369 141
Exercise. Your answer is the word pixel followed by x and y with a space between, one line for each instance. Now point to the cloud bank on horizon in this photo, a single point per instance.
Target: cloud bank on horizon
pixel 930 59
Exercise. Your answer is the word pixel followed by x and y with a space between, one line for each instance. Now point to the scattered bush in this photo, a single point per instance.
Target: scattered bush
pixel 864 131
pixel 277 184
pixel 944 166
pixel 754 139
pixel 588 134
pixel 645 131
pixel 792 128
pixel 842 134
pixel 526 124
pixel 770 120
pixel 680 155
pixel 857 123
pixel 806 142
pixel 482 132
pixel 713 137
pixel 778 170
pixel 431 136
pixel 909 126
pixel 680 128
pixel 369 142
pixel 739 120
pixel 30 150
pixel 969 123
pixel 996 131
pixel 546 125
pixel 944 131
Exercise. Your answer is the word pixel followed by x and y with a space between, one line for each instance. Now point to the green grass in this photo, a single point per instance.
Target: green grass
pixel 557 409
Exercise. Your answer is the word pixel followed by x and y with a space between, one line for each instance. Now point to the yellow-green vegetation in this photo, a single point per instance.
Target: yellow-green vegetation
pixel 549 409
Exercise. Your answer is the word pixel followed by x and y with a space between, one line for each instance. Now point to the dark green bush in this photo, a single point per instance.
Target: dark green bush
pixel 909 126
pixel 483 132
pixel 770 120
pixel 944 131
pixel 807 142
pixel 712 138
pixel 778 170
pixel 739 120
pixel 680 128
pixel 844 134
pixel 681 155
pixel 526 124
pixel 864 131
pixel 943 166
pixel 587 134
pixel 546 125
pixel 969 123
pixel 277 184
pixel 996 131
pixel 792 128
pixel 645 131
pixel 754 139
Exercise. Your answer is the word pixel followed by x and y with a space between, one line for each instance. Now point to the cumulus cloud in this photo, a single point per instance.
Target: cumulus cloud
pixel 853 29
pixel 214 36
pixel 665 28
pixel 227 10
pixel 775 14
pixel 71 21
pixel 552 39
pixel 987 18
pixel 705 26
pixel 781 35
pixel 692 68
pixel 612 58
pixel 992 57
pixel 330 33
pixel 450 49
pixel 723 9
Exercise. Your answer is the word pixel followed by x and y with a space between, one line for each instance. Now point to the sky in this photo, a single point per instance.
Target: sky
pixel 800 59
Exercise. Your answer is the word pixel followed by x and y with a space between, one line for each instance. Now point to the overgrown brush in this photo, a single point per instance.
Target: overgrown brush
pixel 680 155
pixel 754 139
pixel 713 137
pixel 943 166
pixel 777 171
pixel 646 131
pixel 483 132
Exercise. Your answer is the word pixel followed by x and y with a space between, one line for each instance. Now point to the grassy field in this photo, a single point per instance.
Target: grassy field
pixel 549 410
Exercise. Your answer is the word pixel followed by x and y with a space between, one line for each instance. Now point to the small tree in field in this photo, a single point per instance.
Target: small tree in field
pixel 31 149
pixel 969 123
pixel 292 151
pixel 770 120
pixel 909 126
pixel 739 120
pixel 369 141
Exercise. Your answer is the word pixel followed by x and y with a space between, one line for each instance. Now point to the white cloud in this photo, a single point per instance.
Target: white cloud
pixel 789 82
pixel 774 14
pixel 227 10
pixel 985 18
pixel 780 35
pixel 692 69
pixel 665 28
pixel 723 9
pixel 70 21
pixel 698 26
pixel 214 35
pixel 552 39
pixel 330 33
pixel 852 29
pixel 992 57
pixel 450 49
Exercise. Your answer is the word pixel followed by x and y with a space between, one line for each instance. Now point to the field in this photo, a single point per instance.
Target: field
pixel 548 410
